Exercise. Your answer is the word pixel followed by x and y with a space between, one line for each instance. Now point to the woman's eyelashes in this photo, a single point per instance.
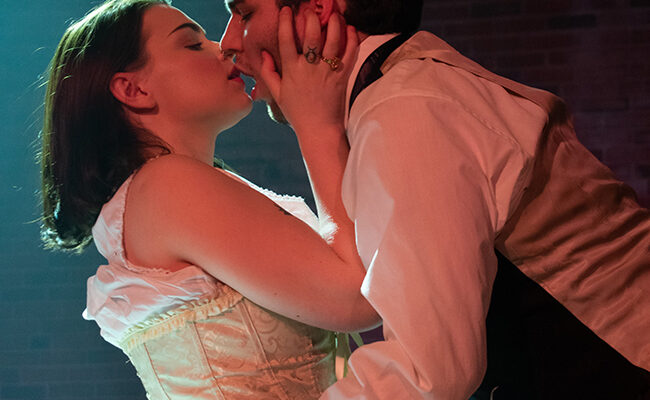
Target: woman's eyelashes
pixel 195 47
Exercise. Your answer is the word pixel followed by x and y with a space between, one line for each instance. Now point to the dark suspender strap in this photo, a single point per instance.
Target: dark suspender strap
pixel 371 69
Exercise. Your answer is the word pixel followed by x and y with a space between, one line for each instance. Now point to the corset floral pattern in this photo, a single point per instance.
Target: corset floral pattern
pixel 242 352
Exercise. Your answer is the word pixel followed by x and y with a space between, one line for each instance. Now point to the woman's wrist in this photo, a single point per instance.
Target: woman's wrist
pixel 316 128
pixel 323 137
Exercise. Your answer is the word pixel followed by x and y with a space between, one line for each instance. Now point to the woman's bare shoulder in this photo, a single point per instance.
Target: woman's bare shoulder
pixel 171 167
pixel 167 196
pixel 176 177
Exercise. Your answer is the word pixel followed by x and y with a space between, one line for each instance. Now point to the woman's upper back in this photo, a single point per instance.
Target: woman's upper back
pixel 183 212
pixel 188 334
pixel 178 206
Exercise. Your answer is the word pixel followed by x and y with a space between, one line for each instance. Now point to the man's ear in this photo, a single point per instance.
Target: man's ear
pixel 126 88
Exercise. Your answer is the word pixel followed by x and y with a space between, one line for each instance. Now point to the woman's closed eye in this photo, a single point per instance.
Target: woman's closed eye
pixel 196 46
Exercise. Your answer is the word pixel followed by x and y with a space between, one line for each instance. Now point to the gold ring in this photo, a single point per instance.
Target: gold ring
pixel 333 62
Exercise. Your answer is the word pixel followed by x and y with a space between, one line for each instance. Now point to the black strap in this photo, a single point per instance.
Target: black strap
pixel 371 69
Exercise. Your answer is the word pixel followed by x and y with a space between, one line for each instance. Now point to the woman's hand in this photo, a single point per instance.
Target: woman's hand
pixel 311 91
pixel 311 94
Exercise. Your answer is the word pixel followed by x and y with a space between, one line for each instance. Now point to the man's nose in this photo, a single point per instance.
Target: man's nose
pixel 231 39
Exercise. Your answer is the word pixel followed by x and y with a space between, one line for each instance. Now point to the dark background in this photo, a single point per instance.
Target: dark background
pixel 594 53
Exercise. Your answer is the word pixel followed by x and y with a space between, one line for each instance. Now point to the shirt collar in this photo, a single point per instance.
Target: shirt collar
pixel 366 48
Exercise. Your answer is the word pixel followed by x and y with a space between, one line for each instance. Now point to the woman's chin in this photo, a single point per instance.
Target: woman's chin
pixel 236 117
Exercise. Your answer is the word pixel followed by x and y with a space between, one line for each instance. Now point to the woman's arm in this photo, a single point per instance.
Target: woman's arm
pixel 312 98
pixel 181 210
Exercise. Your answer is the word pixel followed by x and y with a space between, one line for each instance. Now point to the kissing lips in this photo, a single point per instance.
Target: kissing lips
pixel 235 75
pixel 259 91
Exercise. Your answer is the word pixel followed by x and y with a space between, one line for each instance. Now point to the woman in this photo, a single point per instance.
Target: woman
pixel 136 98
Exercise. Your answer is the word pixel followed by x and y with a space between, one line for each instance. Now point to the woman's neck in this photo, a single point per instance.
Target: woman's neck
pixel 192 140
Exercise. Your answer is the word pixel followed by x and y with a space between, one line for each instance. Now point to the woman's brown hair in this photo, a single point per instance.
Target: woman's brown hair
pixel 89 145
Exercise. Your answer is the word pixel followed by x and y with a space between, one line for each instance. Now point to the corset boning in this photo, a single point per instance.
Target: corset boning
pixel 206 351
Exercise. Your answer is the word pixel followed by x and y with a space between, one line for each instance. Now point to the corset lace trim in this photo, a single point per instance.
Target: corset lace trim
pixel 174 319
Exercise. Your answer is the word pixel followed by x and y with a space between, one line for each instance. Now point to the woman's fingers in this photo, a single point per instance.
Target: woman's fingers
pixel 351 48
pixel 312 44
pixel 286 40
pixel 269 75
pixel 332 43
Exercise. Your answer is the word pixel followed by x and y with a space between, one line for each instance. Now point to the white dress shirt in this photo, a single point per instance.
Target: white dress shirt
pixel 440 159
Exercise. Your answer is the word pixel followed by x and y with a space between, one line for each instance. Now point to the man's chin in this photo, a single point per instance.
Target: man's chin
pixel 261 92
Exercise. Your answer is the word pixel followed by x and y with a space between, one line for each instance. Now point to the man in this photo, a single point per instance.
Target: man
pixel 453 171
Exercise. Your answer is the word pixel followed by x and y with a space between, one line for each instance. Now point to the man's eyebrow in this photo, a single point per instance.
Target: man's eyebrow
pixel 190 25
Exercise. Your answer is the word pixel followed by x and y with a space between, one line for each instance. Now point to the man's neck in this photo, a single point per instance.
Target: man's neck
pixel 362 36
pixel 369 43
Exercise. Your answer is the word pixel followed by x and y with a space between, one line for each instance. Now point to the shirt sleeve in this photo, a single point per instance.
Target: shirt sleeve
pixel 421 187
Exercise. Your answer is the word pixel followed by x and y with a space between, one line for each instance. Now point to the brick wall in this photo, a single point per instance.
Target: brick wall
pixel 591 52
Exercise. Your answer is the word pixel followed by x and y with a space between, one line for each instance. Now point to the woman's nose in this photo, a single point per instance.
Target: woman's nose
pixel 222 54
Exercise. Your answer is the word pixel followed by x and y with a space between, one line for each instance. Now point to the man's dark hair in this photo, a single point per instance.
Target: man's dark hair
pixel 376 17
